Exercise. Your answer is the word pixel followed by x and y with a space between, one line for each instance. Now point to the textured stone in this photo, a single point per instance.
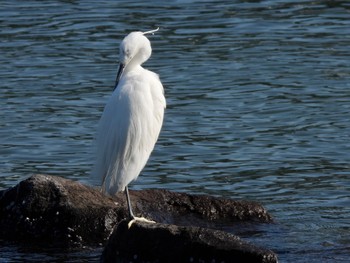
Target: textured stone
pixel 48 208
pixel 53 210
pixel 145 242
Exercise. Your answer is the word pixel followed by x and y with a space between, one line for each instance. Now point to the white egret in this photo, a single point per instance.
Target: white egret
pixel 131 120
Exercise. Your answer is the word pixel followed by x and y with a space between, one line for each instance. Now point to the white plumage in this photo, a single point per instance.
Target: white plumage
pixel 131 120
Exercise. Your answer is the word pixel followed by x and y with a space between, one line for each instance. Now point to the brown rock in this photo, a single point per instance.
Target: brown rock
pixel 171 207
pixel 52 209
pixel 145 242
pixel 49 208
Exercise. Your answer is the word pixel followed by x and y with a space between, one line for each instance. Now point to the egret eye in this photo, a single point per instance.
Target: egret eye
pixel 126 52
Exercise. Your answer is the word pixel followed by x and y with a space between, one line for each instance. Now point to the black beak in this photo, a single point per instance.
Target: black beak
pixel 119 74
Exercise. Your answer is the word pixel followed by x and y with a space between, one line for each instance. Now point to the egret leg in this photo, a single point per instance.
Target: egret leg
pixel 131 214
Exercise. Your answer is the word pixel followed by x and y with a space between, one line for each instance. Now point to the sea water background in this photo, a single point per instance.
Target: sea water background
pixel 258 99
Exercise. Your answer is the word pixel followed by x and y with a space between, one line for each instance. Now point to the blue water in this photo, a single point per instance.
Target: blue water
pixel 258 99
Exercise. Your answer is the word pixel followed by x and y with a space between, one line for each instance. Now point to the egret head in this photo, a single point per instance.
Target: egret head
pixel 135 49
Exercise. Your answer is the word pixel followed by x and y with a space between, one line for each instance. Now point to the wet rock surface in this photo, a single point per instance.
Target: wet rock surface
pixel 48 208
pixel 170 207
pixel 147 242
pixel 60 211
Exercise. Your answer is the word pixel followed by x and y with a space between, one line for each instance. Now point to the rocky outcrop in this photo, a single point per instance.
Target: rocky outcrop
pixel 52 209
pixel 172 207
pixel 146 242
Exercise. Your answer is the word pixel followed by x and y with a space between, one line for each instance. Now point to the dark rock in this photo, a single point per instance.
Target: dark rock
pixel 171 207
pixel 53 209
pixel 145 242
pixel 48 208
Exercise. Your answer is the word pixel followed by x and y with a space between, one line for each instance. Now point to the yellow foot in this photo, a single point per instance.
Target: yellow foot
pixel 141 219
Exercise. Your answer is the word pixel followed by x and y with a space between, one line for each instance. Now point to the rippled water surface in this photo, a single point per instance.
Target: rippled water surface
pixel 258 99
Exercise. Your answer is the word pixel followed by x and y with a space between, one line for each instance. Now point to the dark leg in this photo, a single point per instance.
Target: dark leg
pixel 129 203
pixel 132 217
